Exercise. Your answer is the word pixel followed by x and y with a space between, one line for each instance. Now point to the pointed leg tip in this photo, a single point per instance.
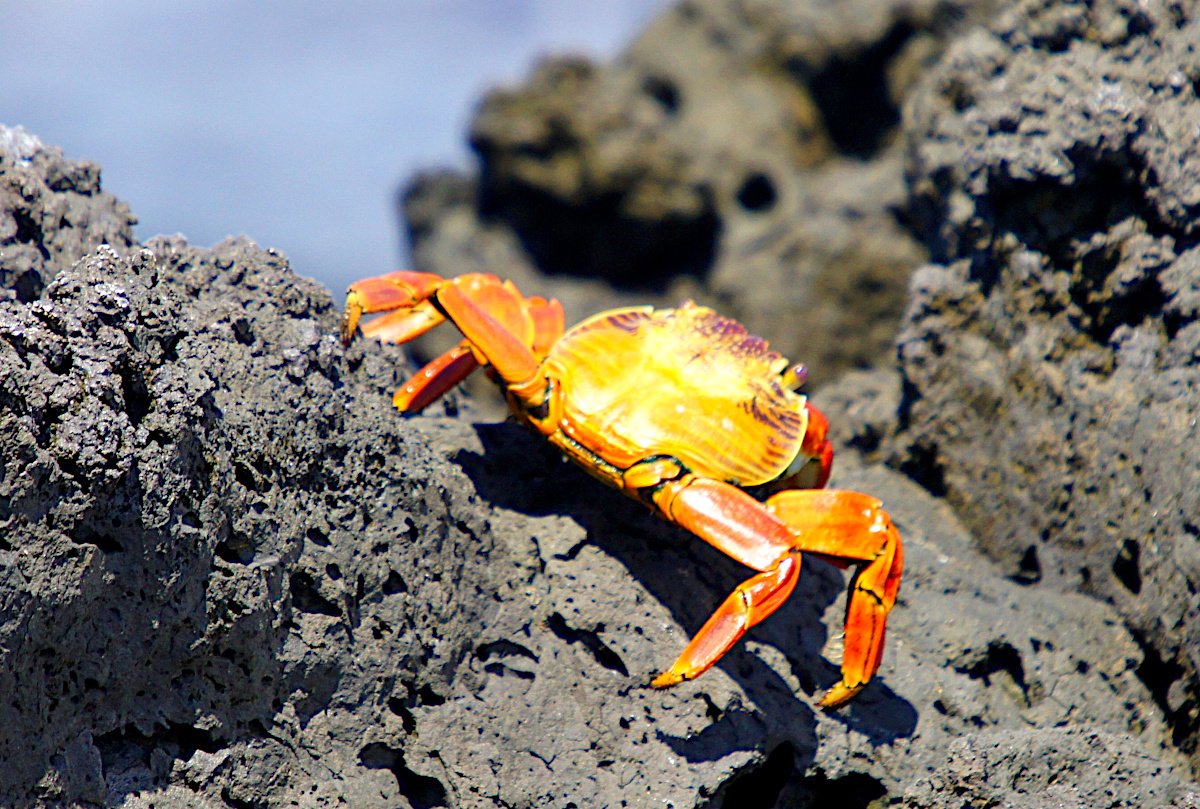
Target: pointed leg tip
pixel 349 328
pixel 351 315
pixel 667 679
pixel 839 695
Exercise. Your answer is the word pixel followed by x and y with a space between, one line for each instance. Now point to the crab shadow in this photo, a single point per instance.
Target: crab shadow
pixel 521 472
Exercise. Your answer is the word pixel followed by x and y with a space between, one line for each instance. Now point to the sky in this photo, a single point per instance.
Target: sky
pixel 294 122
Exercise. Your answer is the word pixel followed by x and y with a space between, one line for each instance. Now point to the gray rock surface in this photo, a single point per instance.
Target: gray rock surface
pixel 232 575
pixel 52 213
pixel 1048 379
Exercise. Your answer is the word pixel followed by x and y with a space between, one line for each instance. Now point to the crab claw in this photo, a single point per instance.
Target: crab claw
pixel 398 292
pixel 504 329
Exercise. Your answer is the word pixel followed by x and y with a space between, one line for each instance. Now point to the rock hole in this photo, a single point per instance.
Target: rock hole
pixel 664 91
pixel 243 475
pixel 1001 658
pixel 307 598
pixel 86 535
pixel 397 707
pixel 394 584
pixel 427 696
pixel 1029 569
pixel 1162 678
pixel 600 237
pixel 1126 566
pixel 759 788
pixel 591 641
pixel 923 466
pixel 852 93
pixel 854 790
pixel 757 193
pixel 237 549
pixel 242 331
pixel 29 286
pixel 137 398
pixel 503 648
pixel 190 739
pixel 29 231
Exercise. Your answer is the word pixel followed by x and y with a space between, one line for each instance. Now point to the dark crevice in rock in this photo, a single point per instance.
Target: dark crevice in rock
pixel 307 598
pixel 854 790
pixel 503 648
pixel 28 286
pixel 759 788
pixel 664 91
pixel 852 93
pixel 394 584
pixel 236 549
pixel 591 641
pixel 421 791
pixel 407 720
pixel 190 739
pixel 1000 658
pixel 29 231
pixel 86 535
pixel 600 239
pixel 1126 566
pixel 1029 568
pixel 1168 684
pixel 923 466
pixel 757 193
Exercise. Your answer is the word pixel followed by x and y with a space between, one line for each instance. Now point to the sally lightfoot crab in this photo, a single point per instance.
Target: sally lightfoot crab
pixel 681 409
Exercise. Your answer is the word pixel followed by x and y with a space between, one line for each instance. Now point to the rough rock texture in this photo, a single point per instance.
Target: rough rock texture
pixel 230 575
pixel 234 576
pixel 1049 385
pixel 741 152
pixel 52 213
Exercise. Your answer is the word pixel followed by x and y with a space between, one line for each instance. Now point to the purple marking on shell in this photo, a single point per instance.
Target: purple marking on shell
pixel 627 322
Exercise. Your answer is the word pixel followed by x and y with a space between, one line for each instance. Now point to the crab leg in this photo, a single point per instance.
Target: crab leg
pixel 437 377
pixel 502 327
pixel 492 342
pixel 737 524
pixel 405 324
pixel 847 527
pixel 850 528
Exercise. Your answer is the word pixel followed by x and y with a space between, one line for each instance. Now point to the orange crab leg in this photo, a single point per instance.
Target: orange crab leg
pixel 549 322
pixel 501 349
pixel 433 381
pixel 405 324
pixel 503 328
pixel 848 527
pixel 751 602
pixel 737 524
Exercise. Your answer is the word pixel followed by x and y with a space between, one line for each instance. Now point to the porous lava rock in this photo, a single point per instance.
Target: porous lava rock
pixel 1048 382
pixel 232 575
pixel 52 213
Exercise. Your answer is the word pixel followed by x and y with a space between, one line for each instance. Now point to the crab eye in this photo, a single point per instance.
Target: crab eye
pixel 795 377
